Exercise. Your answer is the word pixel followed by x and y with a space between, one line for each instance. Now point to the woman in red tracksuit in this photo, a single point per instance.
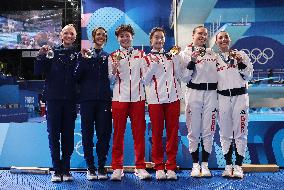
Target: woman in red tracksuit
pixel 163 94
pixel 125 70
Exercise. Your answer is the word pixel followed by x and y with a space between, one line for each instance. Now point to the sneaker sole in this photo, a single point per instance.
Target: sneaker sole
pixel 92 178
pixel 117 179
pixel 227 176
pixel 171 178
pixel 238 177
pixel 143 178
pixel 102 177
pixel 67 179
pixel 161 179
pixel 207 175
pixel 199 175
pixel 56 181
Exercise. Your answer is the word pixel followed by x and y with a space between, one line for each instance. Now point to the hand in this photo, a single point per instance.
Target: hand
pixel 86 53
pixel 44 49
pixel 115 65
pixel 239 58
pixel 235 55
pixel 194 55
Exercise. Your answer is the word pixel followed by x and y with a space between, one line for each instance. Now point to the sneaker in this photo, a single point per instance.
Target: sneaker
pixel 142 174
pixel 117 175
pixel 56 177
pixel 195 172
pixel 228 172
pixel 91 175
pixel 102 173
pixel 161 175
pixel 67 177
pixel 238 172
pixel 171 175
pixel 205 172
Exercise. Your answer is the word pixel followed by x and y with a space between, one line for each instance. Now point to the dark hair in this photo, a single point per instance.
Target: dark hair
pixel 219 33
pixel 155 30
pixel 95 31
pixel 194 30
pixel 124 27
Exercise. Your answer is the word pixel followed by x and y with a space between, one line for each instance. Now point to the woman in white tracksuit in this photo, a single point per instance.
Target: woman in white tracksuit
pixel 234 71
pixel 200 99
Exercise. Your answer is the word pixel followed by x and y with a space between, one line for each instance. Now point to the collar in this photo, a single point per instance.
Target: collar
pixel 154 51
pixel 130 49
pixel 66 48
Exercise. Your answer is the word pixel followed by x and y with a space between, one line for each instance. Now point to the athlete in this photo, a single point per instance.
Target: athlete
pixel 234 71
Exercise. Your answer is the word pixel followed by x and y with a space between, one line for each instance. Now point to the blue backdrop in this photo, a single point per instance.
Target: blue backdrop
pixel 26 144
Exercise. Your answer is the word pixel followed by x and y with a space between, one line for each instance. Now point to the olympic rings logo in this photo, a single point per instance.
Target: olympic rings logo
pixel 259 56
pixel 78 145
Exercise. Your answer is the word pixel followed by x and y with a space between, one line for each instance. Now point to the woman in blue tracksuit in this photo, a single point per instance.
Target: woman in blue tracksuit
pixel 95 103
pixel 60 94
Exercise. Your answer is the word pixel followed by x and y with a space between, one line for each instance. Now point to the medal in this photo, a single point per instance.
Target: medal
pixel 201 50
pixel 117 56
pixel 89 53
pixel 174 50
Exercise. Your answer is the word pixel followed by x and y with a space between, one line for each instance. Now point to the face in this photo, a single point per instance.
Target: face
pixel 125 39
pixel 223 40
pixel 68 35
pixel 200 36
pixel 158 40
pixel 100 37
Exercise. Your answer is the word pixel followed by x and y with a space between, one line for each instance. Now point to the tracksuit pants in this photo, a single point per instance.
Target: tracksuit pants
pixel 98 112
pixel 136 112
pixel 168 113
pixel 61 115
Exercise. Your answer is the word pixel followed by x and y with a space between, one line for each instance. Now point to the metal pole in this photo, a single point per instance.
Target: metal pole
pixel 175 21
pixel 65 15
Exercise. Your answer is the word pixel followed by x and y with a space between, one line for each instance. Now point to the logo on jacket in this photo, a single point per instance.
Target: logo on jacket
pixel 215 110
pixel 243 112
pixel 72 56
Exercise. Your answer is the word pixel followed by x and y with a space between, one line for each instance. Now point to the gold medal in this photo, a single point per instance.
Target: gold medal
pixel 117 56
pixel 175 50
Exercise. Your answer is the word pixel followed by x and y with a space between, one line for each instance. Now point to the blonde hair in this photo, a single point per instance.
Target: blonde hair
pixel 69 26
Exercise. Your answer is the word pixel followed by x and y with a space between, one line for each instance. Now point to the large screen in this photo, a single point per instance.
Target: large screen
pixel 30 29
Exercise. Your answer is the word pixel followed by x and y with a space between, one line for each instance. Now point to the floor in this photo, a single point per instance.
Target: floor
pixel 270 181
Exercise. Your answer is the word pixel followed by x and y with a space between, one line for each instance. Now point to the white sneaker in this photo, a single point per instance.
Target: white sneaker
pixel 91 175
pixel 171 175
pixel 102 173
pixel 161 175
pixel 238 172
pixel 67 177
pixel 142 174
pixel 228 172
pixel 195 170
pixel 205 172
pixel 56 177
pixel 117 175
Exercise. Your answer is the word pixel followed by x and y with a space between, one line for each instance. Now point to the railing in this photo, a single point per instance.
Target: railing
pixel 270 76
pixel 216 25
